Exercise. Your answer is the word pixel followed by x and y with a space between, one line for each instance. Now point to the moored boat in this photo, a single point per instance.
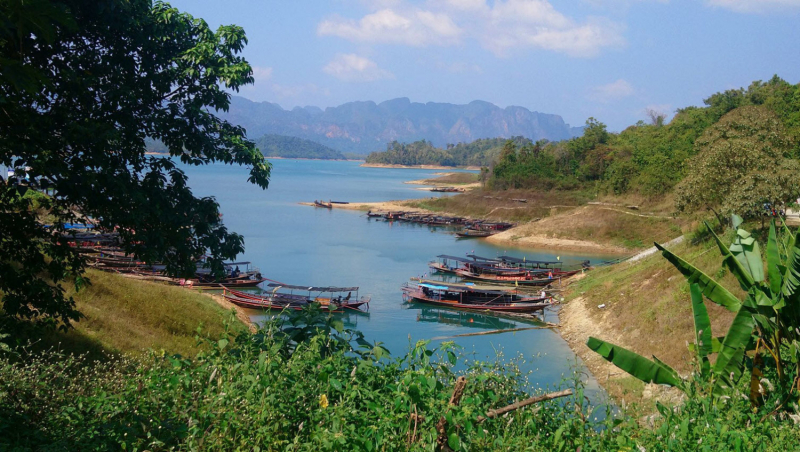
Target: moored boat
pixel 286 296
pixel 324 204
pixel 472 299
pixel 474 233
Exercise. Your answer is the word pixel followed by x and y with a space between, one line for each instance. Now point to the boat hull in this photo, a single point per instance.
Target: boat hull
pixel 419 297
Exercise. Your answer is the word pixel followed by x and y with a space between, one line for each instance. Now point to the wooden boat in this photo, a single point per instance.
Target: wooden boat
pixel 474 233
pixel 326 297
pixel 447 189
pixel 443 294
pixel 514 277
pixel 326 205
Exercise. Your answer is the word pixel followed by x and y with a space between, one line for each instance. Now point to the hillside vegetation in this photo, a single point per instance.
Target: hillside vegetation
pixel 293 147
pixel 477 153
pixel 651 159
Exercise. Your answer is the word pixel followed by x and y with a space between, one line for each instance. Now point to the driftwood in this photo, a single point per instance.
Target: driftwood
pixel 523 403
pixel 455 399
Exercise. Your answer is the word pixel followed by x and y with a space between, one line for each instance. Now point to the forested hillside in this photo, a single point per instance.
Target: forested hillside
pixel 737 152
pixel 292 147
pixel 480 152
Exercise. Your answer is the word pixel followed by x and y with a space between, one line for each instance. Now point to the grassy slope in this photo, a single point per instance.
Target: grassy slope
pixel 567 215
pixel 647 310
pixel 126 315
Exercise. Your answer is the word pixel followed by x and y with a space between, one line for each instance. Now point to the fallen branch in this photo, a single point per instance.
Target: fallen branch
pixel 515 406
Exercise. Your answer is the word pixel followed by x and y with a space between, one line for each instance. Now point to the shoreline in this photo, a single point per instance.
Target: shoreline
pixel 507 237
pixel 432 167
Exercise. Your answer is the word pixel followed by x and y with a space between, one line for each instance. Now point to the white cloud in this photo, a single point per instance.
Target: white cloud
pixel 612 91
pixel 754 6
pixel 415 28
pixel 354 68
pixel 501 27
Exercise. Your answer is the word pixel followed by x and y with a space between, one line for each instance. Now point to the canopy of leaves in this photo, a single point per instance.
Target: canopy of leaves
pixel 82 85
pixel 743 161
pixel 648 159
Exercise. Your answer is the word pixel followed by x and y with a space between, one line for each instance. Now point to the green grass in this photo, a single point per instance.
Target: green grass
pixel 124 315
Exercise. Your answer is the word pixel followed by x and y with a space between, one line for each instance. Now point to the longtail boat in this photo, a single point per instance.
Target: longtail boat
pixel 443 294
pixel 496 276
pixel 288 298
pixel 468 233
pixel 324 204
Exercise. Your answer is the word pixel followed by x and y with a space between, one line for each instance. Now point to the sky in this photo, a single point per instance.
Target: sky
pixel 608 59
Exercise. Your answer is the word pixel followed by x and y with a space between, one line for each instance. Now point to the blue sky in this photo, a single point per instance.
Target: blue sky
pixel 610 59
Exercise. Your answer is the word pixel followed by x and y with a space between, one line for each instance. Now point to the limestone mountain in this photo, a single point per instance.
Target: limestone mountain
pixel 364 127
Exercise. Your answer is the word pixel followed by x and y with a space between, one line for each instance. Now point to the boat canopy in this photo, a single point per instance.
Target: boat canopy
pixel 516 260
pixel 487 259
pixel 461 288
pixel 314 288
pixel 456 258
pixel 495 269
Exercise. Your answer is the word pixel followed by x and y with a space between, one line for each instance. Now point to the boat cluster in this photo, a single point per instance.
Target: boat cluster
pixel 468 225
pixel 486 283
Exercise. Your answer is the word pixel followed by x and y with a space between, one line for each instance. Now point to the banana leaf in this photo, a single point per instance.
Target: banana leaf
pixel 730 261
pixel 746 250
pixel 716 345
pixel 702 329
pixel 711 289
pixel 635 364
pixel 730 361
pixel 791 280
pixel 773 260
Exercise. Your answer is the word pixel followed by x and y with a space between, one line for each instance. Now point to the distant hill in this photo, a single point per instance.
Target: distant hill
pixel 480 152
pixel 364 127
pixel 293 147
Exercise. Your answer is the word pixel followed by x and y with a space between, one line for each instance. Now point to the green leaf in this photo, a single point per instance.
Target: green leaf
pixel 729 365
pixel 702 328
pixel 773 260
pixel 454 441
pixel 337 325
pixel 222 343
pixel 746 250
pixel 711 289
pixel 791 277
pixel 636 365
pixel 730 261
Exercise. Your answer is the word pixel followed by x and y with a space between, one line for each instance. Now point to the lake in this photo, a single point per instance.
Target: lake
pixel 303 245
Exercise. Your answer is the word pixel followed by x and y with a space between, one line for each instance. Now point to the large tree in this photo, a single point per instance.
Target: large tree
pixel 742 162
pixel 83 83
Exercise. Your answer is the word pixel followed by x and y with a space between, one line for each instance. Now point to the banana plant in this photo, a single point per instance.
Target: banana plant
pixel 767 319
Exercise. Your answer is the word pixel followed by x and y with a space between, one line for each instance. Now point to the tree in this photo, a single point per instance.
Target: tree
pixel 742 162
pixel 656 117
pixel 82 85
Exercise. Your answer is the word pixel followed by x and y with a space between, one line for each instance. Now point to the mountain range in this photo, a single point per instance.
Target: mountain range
pixel 363 127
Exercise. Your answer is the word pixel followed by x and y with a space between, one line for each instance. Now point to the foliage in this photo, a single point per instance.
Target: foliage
pixel 481 152
pixel 650 159
pixel 292 147
pixel 743 162
pixel 767 320
pixel 306 383
pixel 82 85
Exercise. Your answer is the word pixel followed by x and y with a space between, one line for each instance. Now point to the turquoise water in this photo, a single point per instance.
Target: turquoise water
pixel 303 245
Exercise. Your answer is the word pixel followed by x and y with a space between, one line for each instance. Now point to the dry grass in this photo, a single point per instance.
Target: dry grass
pixel 454 179
pixel 126 315
pixel 500 205
pixel 647 310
